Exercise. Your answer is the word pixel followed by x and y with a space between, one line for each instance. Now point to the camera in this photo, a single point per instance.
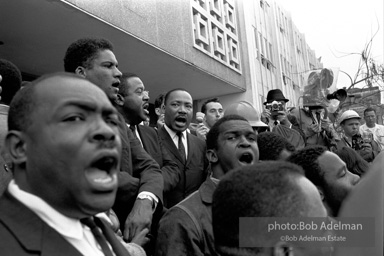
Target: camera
pixel 367 136
pixel 357 142
pixel 275 106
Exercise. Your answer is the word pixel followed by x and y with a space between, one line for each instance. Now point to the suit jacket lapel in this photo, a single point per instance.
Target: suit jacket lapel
pixel 126 160
pixel 31 231
pixel 190 151
pixel 144 139
pixel 170 144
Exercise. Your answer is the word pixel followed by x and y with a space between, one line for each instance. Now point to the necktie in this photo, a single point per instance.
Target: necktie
pixel 275 123
pixel 181 146
pixel 117 246
pixel 100 238
pixel 133 129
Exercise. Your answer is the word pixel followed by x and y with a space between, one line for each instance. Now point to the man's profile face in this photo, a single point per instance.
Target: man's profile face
pixel 236 145
pixel 104 73
pixel 214 111
pixel 73 147
pixel 370 118
pixel 178 110
pixel 338 181
pixel 136 100
pixel 351 127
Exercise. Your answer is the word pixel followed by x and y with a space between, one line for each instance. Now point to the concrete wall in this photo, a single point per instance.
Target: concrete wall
pixel 166 24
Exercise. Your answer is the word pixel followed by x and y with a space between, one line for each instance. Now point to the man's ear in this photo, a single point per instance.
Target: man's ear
pixel 163 107
pixel 16 147
pixel 282 249
pixel 80 71
pixel 212 156
pixel 119 100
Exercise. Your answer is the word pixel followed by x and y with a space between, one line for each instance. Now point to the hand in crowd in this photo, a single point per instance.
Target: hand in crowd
pixel 366 147
pixel 283 118
pixel 366 151
pixel 140 239
pixel 201 131
pixel 325 123
pixel 139 220
pixel 314 128
pixel 265 115
pixel 115 223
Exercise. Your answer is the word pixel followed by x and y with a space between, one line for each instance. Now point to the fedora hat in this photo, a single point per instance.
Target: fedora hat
pixel 275 95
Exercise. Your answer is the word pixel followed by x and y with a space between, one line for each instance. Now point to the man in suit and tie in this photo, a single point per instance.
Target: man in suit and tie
pixel 276 116
pixel 65 147
pixel 132 103
pixel 187 150
pixel 140 189
pixel 186 228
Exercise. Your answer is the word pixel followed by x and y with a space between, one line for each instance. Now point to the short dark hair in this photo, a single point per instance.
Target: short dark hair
pixel 204 106
pixel 307 158
pixel 171 91
pixel 11 81
pixel 159 100
pixel 369 109
pixel 123 90
pixel 267 189
pixel 25 103
pixel 271 144
pixel 214 132
pixel 83 51
pixel 354 161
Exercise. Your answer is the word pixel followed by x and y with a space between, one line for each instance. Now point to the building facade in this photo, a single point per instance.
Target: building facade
pixel 231 49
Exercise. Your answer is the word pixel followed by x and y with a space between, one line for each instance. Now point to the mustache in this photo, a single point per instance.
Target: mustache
pixel 107 144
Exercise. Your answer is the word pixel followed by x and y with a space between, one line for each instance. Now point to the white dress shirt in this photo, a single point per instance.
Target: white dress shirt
pixel 78 235
pixel 377 131
pixel 175 139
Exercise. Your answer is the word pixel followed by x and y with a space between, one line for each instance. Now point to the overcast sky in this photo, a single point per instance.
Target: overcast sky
pixel 334 28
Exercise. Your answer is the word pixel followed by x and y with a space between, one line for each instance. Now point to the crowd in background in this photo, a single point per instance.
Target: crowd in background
pixel 80 161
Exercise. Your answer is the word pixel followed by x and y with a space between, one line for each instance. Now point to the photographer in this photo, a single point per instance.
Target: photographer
pixel 316 125
pixel 365 146
pixel 279 121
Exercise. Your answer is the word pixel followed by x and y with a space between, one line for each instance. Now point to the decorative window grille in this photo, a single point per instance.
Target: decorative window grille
pixel 215 31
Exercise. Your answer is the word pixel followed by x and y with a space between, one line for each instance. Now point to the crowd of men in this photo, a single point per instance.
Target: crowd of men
pixel 84 174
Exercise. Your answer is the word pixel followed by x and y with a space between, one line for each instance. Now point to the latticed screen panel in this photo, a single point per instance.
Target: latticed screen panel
pixel 215 31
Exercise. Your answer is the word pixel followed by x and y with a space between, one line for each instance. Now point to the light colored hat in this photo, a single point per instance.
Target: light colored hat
pixel 246 110
pixel 349 114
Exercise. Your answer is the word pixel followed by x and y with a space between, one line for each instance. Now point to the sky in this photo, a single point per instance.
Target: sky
pixel 335 28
